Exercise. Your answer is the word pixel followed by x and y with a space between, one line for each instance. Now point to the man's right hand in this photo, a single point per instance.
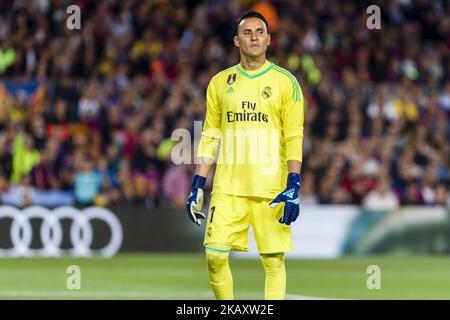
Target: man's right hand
pixel 194 203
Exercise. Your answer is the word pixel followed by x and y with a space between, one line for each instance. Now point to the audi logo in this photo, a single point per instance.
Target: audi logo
pixel 51 231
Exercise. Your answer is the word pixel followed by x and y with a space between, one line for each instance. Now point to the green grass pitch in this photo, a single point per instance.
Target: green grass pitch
pixel 184 276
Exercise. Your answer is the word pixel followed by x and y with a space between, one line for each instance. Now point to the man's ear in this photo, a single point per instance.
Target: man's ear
pixel 268 39
pixel 236 41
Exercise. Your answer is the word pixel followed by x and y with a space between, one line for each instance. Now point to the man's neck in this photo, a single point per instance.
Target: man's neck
pixel 252 63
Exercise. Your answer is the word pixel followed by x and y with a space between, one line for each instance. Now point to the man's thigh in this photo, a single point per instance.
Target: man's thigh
pixel 227 223
pixel 270 235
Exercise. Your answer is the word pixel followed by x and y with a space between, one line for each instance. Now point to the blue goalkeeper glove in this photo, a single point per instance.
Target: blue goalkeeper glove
pixel 194 203
pixel 291 199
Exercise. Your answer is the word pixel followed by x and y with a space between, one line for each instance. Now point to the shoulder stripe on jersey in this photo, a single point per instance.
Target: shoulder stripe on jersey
pixel 295 85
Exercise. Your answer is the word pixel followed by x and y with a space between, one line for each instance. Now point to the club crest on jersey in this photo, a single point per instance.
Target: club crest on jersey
pixel 231 78
pixel 266 93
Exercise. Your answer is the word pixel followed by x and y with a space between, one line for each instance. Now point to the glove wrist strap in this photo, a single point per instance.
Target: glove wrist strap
pixel 293 178
pixel 198 181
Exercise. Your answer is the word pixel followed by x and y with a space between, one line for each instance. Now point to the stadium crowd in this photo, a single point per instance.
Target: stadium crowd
pixel 108 97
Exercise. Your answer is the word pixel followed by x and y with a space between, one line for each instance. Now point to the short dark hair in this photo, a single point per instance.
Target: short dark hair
pixel 250 14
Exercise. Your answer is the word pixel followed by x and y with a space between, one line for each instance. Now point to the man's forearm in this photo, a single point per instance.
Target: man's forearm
pixel 294 166
pixel 203 167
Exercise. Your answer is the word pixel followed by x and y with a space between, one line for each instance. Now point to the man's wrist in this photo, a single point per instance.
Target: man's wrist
pixel 293 179
pixel 198 181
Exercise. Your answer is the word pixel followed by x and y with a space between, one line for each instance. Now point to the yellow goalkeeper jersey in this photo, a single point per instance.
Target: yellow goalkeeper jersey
pixel 253 125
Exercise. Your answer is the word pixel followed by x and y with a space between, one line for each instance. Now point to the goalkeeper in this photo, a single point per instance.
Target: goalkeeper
pixel 252 104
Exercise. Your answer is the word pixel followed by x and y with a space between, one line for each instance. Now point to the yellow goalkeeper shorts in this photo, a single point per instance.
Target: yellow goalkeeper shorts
pixel 230 216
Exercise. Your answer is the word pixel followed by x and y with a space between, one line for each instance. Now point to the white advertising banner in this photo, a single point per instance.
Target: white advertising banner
pixel 319 232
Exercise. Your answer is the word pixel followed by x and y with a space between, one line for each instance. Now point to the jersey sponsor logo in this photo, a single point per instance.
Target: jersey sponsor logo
pixel 231 78
pixel 266 93
pixel 248 114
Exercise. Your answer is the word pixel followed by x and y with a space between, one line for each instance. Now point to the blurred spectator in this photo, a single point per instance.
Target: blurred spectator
pixel 382 198
pixel 43 176
pixel 411 195
pixel 21 195
pixel 442 196
pixel 269 11
pixel 176 184
pixel 25 157
pixel 7 56
pixel 87 183
pixel 308 195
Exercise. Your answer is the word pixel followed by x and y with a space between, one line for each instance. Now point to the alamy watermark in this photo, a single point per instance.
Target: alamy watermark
pixel 73 21
pixel 232 146
pixel 374 20
pixel 374 280
pixel 73 281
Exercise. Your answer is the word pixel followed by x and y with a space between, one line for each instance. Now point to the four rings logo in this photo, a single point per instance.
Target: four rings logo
pixel 51 231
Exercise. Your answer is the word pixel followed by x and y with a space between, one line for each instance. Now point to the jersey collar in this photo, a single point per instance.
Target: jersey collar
pixel 251 74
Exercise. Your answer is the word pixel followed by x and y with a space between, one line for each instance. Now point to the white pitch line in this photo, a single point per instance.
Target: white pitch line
pixel 106 294
pixel 298 297
pixel 140 294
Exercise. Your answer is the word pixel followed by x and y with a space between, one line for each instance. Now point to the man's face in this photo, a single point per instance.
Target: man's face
pixel 252 38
